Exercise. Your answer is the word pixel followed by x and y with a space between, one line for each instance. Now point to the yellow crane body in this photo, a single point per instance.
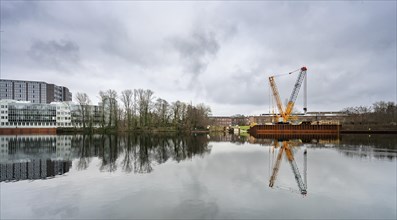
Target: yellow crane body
pixel 286 115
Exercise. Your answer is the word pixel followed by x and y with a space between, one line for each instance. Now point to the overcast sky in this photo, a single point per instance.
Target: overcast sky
pixel 217 53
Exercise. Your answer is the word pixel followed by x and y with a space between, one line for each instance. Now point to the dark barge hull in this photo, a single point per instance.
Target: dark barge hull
pixel 295 129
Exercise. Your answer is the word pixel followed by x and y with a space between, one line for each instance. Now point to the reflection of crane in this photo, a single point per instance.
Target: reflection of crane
pixel 285 115
pixel 302 184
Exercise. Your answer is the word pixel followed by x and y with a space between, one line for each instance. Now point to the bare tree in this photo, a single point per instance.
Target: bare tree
pixel 176 111
pixel 162 112
pixel 110 109
pixel 127 100
pixel 144 106
pixel 197 116
pixel 84 107
pixel 103 107
pixel 113 110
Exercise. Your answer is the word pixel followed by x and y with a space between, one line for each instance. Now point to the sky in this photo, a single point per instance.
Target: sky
pixel 217 53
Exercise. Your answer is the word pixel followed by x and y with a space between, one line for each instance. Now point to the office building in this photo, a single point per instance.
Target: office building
pixel 25 114
pixel 35 92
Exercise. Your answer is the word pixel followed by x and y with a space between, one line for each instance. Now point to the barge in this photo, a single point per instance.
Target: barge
pixel 295 129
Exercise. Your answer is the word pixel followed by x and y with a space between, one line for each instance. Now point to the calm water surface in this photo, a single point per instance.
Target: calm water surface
pixel 205 176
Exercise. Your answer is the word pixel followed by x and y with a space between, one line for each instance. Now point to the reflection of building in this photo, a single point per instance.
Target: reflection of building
pixel 34 157
pixel 30 147
pixel 35 169
pixel 224 137
pixel 35 92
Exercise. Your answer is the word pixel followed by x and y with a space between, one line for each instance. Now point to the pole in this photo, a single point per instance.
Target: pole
pixel 305 95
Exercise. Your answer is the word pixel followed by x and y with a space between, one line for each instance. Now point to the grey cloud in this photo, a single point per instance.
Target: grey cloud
pixel 214 52
pixel 197 50
pixel 243 87
pixel 60 54
pixel 117 41
pixel 14 12
pixel 345 52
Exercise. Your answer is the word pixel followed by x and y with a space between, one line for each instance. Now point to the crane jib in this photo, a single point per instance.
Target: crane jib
pixel 297 86
pixel 287 113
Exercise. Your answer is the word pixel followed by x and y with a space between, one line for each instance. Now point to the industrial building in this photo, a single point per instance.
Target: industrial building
pixel 33 91
pixel 320 117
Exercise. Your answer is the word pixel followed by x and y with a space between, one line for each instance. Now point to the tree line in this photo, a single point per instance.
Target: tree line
pixel 380 112
pixel 139 109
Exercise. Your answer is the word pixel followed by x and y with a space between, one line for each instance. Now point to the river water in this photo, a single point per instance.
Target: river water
pixel 198 177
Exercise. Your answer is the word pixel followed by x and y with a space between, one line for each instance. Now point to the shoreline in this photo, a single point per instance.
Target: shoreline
pixel 57 131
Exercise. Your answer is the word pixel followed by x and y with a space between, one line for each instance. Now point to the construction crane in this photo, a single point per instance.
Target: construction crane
pixel 302 184
pixel 286 114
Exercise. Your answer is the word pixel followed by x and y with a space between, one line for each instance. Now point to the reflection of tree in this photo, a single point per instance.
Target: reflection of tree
pixel 84 153
pixel 138 153
pixel 375 140
pixel 109 153
pixel 128 154
pixel 143 152
pixel 142 162
pixel 379 146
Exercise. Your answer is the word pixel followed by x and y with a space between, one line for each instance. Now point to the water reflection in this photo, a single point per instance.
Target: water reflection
pixel 359 146
pixel 34 169
pixel 286 149
pixel 33 157
pixel 138 154
pixel 379 147
pixel 40 157
pixel 174 177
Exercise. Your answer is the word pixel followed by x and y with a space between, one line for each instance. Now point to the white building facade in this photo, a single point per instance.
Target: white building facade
pixel 25 114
